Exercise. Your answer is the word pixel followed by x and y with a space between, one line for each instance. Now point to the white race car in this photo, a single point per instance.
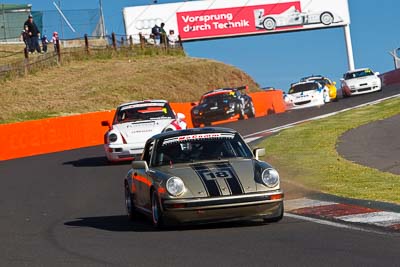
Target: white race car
pixel 306 94
pixel 360 81
pixel 293 17
pixel 134 123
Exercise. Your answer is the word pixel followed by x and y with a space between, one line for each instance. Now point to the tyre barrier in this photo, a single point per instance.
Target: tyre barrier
pixel 51 135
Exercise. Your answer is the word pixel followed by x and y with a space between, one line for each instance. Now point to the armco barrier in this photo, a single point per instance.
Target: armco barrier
pixel 391 77
pixel 64 133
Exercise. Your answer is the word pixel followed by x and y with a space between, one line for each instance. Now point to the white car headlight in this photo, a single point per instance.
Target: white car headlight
pixel 112 137
pixel 175 186
pixel 270 177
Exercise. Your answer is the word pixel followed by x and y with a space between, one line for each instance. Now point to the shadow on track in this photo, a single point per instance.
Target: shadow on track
pixel 95 162
pixel 121 223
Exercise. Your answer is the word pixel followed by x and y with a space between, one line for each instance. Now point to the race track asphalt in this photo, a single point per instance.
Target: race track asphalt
pixel 376 145
pixel 66 209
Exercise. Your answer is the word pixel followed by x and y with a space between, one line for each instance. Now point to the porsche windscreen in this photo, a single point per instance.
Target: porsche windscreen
pixel 358 74
pixel 303 87
pixel 197 147
pixel 217 98
pixel 144 111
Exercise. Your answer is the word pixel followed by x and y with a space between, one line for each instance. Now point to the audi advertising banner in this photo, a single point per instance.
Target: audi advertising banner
pixel 208 19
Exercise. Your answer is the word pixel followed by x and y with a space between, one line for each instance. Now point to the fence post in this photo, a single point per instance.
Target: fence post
pixel 122 41
pixel 58 51
pixel 114 41
pixel 180 42
pixel 26 61
pixel 130 41
pixel 87 44
pixel 141 40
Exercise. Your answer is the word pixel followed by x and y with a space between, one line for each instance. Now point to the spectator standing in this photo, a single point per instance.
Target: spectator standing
pixel 172 38
pixel 25 38
pixel 163 34
pixel 44 43
pixel 34 34
pixel 54 40
pixel 156 31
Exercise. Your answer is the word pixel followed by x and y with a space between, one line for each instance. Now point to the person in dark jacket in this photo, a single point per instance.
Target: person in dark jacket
pixel 34 34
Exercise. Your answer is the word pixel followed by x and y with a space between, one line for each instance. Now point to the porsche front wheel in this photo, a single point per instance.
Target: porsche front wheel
pixel 156 211
pixel 130 209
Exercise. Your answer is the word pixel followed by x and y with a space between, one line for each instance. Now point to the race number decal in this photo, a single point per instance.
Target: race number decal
pixel 216 173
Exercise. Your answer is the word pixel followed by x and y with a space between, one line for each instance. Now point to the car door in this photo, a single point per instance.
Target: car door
pixel 142 179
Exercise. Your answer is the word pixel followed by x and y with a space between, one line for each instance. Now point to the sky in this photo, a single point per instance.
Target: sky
pixel 278 60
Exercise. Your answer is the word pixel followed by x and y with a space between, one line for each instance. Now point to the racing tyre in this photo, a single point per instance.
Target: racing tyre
pixel 326 18
pixel 277 218
pixel 241 112
pixel 269 24
pixel 130 208
pixel 156 213
pixel 252 111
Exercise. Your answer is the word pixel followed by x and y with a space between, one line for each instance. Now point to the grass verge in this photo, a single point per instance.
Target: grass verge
pixel 307 154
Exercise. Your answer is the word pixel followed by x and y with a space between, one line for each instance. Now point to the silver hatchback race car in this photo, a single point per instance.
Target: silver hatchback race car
pixel 202 175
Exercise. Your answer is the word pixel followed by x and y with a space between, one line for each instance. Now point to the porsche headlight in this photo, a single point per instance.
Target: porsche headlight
pixel 112 137
pixel 270 177
pixel 175 186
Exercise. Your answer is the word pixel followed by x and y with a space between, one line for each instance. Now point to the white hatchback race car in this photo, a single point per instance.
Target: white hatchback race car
pixel 360 81
pixel 306 94
pixel 134 123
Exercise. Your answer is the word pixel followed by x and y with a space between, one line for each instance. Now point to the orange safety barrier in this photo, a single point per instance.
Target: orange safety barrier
pixel 71 132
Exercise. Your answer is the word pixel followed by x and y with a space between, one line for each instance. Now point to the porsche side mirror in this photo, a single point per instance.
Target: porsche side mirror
pixel 334 83
pixel 180 116
pixel 193 104
pixel 259 152
pixel 140 164
pixel 377 73
pixel 342 79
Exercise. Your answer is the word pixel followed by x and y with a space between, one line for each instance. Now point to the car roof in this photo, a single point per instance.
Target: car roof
pixel 312 77
pixel 143 102
pixel 303 82
pixel 357 70
pixel 223 90
pixel 205 130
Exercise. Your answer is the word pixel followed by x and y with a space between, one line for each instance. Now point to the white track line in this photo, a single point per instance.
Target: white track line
pixel 252 137
pixel 381 218
pixel 335 224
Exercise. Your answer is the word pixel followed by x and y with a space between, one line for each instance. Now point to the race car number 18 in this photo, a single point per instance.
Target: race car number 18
pixel 223 174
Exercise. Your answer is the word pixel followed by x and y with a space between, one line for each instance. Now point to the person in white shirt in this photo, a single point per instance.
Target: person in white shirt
pixel 172 39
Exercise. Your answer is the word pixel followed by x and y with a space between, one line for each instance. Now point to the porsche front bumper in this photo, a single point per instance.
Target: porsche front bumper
pixel 229 208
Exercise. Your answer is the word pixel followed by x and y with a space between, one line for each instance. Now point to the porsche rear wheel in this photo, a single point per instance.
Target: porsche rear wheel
pixel 156 213
pixel 130 209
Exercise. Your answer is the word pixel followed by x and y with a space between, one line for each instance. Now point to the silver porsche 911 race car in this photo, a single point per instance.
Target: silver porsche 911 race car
pixel 134 123
pixel 202 175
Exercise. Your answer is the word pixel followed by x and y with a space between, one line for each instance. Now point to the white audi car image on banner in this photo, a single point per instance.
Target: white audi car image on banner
pixel 194 20
pixel 292 16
